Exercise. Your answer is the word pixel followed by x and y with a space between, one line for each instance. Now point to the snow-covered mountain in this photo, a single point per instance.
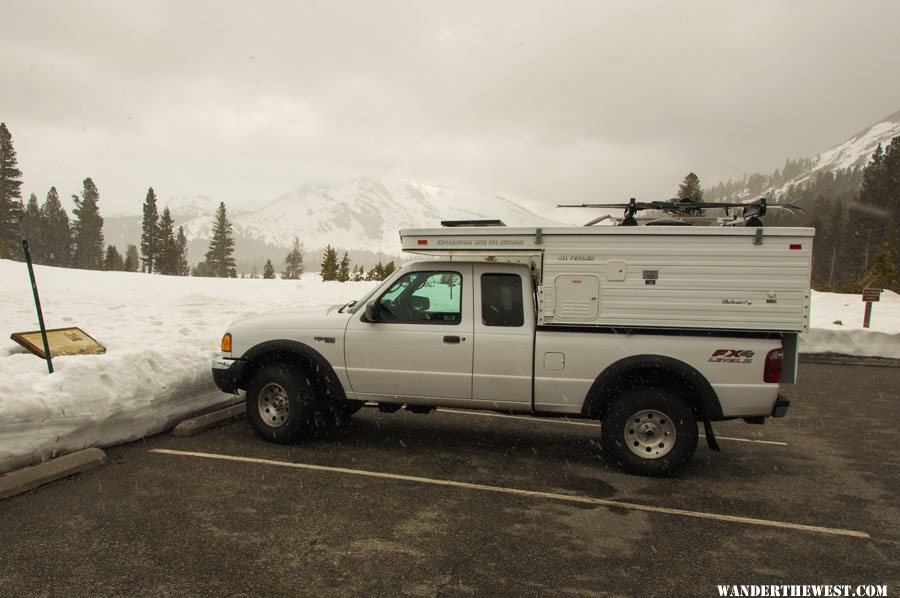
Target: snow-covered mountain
pixel 857 150
pixel 365 214
pixel 852 153
pixel 362 216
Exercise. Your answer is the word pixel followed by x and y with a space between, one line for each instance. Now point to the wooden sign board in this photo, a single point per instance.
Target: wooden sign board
pixel 871 295
pixel 62 341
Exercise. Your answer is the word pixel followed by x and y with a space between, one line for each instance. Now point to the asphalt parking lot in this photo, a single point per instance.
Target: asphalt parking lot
pixel 454 503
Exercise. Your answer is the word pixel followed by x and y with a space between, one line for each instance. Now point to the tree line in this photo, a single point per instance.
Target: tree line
pixel 856 214
pixel 330 268
pixel 55 239
pixel 757 183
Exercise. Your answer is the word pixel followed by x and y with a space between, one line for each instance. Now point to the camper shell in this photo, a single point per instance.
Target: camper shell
pixel 705 278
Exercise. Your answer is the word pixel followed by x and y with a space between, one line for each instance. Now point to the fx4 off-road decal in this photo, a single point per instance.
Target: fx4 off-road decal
pixel 732 356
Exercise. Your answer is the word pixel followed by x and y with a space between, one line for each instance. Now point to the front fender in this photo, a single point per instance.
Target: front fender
pixel 290 351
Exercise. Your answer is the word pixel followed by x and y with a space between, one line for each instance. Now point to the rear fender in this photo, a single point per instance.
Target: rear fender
pixel 653 370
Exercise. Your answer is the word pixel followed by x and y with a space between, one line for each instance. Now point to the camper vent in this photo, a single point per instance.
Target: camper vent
pixel 455 223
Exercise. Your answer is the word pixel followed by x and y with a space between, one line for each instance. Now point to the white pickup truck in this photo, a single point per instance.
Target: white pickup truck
pixel 651 330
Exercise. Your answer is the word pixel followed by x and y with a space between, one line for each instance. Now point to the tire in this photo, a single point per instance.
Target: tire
pixel 281 404
pixel 649 431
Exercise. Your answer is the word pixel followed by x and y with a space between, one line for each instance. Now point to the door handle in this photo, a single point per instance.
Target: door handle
pixel 451 339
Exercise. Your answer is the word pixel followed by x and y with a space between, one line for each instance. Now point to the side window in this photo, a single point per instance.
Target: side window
pixel 501 300
pixel 423 298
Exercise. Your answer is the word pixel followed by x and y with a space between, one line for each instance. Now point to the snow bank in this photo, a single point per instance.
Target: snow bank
pixel 161 333
pixel 837 326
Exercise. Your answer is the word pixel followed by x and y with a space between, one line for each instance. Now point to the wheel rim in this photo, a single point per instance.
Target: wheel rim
pixel 650 434
pixel 273 405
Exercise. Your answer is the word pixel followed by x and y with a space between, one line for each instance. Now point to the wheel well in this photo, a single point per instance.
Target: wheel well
pixel 683 381
pixel 322 377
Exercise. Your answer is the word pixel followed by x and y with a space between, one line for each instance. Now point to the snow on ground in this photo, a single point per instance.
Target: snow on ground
pixel 161 333
pixel 837 326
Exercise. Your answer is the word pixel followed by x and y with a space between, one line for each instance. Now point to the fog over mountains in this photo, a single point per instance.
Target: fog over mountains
pixel 363 216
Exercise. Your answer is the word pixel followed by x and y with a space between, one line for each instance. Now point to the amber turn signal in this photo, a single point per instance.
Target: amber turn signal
pixel 226 343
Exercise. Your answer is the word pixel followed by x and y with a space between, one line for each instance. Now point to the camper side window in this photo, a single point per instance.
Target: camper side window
pixel 501 300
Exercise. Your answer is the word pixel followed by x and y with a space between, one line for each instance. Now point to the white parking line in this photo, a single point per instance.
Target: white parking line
pixel 533 493
pixel 563 420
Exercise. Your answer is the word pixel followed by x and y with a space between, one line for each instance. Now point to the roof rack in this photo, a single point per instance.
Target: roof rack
pixel 690 211
pixel 454 223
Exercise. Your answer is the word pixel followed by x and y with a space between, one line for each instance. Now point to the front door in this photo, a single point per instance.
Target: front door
pixel 420 344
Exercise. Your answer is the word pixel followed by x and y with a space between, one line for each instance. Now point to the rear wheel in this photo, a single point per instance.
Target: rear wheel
pixel 649 431
pixel 281 403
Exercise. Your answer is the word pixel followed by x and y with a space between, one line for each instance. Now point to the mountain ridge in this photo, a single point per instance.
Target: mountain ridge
pixel 854 152
pixel 362 216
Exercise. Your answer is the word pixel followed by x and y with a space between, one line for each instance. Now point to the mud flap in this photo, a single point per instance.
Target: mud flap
pixel 710 436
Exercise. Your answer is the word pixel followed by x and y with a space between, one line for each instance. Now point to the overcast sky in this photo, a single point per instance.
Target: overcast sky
pixel 557 101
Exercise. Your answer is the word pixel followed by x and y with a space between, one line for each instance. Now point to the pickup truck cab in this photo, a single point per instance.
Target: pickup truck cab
pixel 476 334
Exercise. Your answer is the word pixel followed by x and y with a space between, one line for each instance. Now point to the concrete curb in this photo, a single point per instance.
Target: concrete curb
pixel 840 359
pixel 196 425
pixel 29 478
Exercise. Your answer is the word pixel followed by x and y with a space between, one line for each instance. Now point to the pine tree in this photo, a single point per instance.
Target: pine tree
pixel 203 270
pixel 167 258
pixel 132 259
pixel 150 232
pixel 389 269
pixel 358 273
pixel 376 273
pixel 113 261
pixel 10 196
pixel 268 270
pixel 880 273
pixel 181 245
pixel 329 264
pixel 58 237
pixel 343 274
pixel 690 188
pixel 88 228
pixel 293 263
pixel 35 230
pixel 220 257
pixel 874 218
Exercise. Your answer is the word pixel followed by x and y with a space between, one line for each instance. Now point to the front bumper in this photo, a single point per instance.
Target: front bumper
pixel 228 373
pixel 781 406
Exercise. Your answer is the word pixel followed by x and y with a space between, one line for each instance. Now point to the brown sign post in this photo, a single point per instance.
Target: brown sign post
pixel 870 295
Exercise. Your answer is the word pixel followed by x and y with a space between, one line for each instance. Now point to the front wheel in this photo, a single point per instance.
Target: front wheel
pixel 649 431
pixel 280 403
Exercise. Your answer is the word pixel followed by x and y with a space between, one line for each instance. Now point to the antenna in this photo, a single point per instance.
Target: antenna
pixel 380 242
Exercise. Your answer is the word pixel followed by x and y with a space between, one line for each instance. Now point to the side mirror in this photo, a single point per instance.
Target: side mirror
pixel 419 303
pixel 372 311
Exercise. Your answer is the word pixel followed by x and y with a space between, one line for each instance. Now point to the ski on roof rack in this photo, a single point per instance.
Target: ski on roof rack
pixel 454 223
pixel 751 211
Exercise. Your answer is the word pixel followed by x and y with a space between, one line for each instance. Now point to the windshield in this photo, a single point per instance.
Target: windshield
pixel 365 298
